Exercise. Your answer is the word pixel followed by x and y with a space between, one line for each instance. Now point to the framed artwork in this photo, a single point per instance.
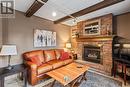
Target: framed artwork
pixel 49 35
pixel 43 38
pixel 53 40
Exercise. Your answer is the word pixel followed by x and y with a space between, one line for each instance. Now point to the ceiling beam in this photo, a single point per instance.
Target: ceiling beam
pixel 35 7
pixel 90 9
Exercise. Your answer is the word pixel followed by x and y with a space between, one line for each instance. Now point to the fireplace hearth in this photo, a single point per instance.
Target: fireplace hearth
pixel 92 53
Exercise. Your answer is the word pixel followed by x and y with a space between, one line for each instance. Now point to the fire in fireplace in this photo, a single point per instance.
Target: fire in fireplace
pixel 92 53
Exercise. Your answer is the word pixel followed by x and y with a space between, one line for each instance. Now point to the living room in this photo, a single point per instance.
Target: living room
pixel 83 43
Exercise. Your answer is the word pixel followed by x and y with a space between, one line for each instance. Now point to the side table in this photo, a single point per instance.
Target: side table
pixel 16 69
pixel 125 64
pixel 74 56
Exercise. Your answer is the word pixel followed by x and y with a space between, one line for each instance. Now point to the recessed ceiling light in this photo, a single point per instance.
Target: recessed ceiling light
pixel 54 14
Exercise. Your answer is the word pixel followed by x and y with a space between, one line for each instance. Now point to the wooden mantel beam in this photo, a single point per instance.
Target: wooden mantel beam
pixel 95 7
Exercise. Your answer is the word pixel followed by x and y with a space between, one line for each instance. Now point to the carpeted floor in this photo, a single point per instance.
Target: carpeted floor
pixel 94 80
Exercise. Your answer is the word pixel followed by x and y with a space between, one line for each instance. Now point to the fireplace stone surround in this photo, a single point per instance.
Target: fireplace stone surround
pixel 103 38
pixel 105 44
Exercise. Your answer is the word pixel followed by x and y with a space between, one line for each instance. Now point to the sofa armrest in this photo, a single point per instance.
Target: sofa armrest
pixel 31 65
pixel 32 72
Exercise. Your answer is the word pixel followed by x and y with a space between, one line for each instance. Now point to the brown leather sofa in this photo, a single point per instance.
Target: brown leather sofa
pixel 48 60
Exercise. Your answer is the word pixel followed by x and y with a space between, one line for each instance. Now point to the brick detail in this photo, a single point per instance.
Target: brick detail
pixel 106 54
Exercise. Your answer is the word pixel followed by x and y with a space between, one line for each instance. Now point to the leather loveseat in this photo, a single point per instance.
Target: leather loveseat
pixel 41 61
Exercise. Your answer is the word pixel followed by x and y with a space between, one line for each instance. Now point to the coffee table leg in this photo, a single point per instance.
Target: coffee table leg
pixel 81 78
pixel 74 83
pixel 53 83
pixel 84 76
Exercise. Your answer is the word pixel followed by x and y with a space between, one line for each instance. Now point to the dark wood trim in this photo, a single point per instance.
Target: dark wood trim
pixel 90 9
pixel 35 7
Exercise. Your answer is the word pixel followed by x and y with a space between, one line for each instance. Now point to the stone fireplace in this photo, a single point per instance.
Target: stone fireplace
pixel 96 51
pixel 93 42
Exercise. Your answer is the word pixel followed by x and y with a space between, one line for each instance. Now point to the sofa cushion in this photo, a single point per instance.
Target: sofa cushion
pixel 58 53
pixel 67 61
pixel 56 63
pixel 64 56
pixel 36 60
pixel 38 53
pixel 44 68
pixel 49 55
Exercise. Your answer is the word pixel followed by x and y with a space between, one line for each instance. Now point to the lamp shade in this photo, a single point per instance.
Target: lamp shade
pixel 68 45
pixel 8 50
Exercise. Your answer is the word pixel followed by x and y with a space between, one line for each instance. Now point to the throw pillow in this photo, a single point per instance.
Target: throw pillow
pixel 58 53
pixel 36 60
pixel 49 55
pixel 64 56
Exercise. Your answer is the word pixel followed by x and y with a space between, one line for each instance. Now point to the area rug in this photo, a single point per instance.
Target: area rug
pixel 94 80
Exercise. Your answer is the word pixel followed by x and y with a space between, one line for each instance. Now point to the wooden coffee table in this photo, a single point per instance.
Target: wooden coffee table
pixel 69 74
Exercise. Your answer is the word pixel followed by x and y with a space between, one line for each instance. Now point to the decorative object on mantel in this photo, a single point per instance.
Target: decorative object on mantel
pixel 105 29
pixel 8 50
pixel 43 38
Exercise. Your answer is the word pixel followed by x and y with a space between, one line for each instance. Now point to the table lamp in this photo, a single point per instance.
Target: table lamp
pixel 8 50
pixel 68 45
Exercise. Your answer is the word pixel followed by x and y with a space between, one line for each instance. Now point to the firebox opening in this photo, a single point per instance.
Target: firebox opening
pixel 92 53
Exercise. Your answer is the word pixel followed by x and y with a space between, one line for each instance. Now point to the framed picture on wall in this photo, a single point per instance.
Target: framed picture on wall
pixel 53 40
pixel 43 38
pixel 38 38
pixel 49 35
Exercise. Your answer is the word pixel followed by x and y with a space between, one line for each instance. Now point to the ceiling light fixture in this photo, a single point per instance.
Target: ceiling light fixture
pixel 75 20
pixel 54 14
pixel 52 5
